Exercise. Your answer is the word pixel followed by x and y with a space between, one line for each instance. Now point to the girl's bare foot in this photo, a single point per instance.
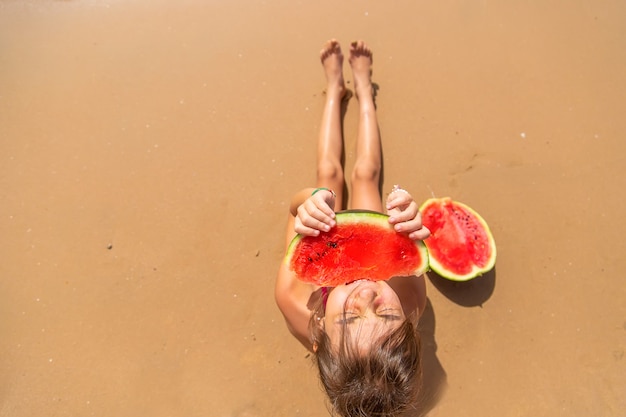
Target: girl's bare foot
pixel 361 63
pixel 332 61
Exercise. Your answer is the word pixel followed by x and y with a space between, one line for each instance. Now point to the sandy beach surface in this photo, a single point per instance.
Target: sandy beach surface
pixel 148 151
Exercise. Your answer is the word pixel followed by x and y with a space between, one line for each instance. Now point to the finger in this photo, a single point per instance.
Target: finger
pixel 306 231
pixel 314 219
pixel 420 234
pixel 408 227
pixel 325 202
pixel 398 198
pixel 316 224
pixel 409 213
pixel 410 224
pixel 315 213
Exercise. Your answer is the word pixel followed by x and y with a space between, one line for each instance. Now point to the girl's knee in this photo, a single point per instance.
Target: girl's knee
pixel 329 172
pixel 365 171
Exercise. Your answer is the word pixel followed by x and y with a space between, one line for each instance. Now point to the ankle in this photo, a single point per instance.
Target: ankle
pixel 335 90
pixel 365 94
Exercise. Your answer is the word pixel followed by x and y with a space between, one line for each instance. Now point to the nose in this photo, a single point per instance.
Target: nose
pixel 365 297
pixel 367 294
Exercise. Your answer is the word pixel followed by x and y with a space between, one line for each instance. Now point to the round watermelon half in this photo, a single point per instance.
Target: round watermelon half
pixel 460 246
pixel 363 245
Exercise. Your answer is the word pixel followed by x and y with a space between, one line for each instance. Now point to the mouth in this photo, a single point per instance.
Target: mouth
pixel 362 283
pixel 356 281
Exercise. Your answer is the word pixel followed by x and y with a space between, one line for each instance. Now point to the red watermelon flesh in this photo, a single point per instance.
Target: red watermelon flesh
pixel 363 245
pixel 461 245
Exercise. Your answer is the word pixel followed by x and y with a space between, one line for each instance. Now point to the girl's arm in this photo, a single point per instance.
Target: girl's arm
pixel 299 198
pixel 292 295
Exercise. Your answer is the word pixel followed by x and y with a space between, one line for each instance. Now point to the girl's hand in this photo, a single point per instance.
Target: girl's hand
pixel 404 214
pixel 316 214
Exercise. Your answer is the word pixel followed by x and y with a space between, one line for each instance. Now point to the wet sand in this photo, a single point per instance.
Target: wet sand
pixel 149 150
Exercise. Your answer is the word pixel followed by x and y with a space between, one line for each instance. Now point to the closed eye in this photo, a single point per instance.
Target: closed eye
pixel 349 319
pixel 390 317
pixel 388 314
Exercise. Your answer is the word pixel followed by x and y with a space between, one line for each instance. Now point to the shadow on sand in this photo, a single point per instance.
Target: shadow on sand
pixel 433 375
pixel 468 294
pixel 472 293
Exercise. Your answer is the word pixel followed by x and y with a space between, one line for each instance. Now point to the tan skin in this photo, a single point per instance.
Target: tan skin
pixel 375 308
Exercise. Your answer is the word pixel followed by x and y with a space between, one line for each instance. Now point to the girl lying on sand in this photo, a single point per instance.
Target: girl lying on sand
pixel 364 334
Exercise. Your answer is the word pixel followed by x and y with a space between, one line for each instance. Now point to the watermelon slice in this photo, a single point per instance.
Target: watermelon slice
pixel 363 245
pixel 461 246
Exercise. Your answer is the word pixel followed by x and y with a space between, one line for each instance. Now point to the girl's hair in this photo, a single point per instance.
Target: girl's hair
pixel 382 381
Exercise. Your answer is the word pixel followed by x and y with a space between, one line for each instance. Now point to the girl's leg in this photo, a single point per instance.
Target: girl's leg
pixel 330 145
pixel 368 163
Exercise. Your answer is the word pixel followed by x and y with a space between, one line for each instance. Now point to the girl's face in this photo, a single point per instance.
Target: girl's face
pixel 368 310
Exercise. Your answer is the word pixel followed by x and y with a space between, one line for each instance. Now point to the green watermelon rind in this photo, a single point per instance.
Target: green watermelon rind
pixel 477 271
pixel 369 217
